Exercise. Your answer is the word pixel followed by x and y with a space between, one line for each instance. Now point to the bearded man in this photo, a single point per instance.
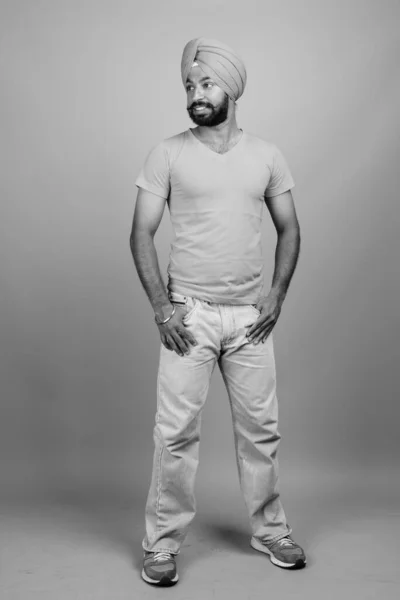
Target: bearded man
pixel 215 179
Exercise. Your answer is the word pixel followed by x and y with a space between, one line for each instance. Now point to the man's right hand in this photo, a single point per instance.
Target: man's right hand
pixel 174 334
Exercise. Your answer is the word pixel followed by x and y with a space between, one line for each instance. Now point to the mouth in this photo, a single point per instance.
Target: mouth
pixel 200 109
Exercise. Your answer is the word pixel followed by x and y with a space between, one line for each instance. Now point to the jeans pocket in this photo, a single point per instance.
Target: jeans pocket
pixel 188 303
pixel 255 309
pixel 191 306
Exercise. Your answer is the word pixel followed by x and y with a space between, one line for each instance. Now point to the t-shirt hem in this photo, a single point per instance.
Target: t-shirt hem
pixel 277 191
pixel 142 183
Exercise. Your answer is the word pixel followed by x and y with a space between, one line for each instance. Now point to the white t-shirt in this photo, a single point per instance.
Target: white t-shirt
pixel 216 203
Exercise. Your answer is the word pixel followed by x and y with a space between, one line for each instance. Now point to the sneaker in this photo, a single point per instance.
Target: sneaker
pixel 284 552
pixel 159 568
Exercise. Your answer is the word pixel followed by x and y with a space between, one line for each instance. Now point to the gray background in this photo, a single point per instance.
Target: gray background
pixel 87 88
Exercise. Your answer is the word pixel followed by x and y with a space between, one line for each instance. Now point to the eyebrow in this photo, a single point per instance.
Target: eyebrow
pixel 188 80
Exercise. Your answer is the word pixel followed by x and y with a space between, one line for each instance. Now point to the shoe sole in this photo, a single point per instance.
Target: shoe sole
pixel 299 564
pixel 164 581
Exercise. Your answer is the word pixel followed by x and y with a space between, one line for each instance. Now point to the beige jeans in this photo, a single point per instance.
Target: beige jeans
pixel 248 371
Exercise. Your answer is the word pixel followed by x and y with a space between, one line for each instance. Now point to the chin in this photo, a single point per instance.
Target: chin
pixel 199 120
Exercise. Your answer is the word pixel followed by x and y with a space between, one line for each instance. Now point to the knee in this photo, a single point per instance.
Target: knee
pixel 177 434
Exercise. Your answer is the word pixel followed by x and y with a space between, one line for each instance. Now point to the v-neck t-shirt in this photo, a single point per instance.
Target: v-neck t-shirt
pixel 216 204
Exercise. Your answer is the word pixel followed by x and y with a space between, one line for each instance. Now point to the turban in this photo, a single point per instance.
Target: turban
pixel 219 62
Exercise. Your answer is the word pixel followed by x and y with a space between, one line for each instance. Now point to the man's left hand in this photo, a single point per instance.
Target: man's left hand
pixel 270 308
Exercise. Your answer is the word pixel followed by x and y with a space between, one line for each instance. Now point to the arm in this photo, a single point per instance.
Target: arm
pixel 283 213
pixel 147 217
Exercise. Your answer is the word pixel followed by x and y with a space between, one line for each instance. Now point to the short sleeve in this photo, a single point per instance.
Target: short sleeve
pixel 281 178
pixel 154 175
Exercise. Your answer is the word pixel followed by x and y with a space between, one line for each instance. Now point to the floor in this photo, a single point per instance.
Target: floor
pixel 82 549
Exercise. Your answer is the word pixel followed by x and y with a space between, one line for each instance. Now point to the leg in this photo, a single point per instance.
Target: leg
pixel 182 387
pixel 248 371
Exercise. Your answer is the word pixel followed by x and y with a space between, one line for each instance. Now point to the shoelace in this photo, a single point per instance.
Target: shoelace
pixel 286 541
pixel 162 556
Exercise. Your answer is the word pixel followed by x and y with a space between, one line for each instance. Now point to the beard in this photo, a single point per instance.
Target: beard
pixel 216 115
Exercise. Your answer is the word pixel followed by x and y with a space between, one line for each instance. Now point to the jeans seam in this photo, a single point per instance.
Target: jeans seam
pixel 158 393
pixel 159 483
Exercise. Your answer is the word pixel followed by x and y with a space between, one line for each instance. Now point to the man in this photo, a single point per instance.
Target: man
pixel 215 178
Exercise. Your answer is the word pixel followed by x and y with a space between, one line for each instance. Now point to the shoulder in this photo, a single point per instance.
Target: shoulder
pixel 173 142
pixel 261 145
pixel 169 148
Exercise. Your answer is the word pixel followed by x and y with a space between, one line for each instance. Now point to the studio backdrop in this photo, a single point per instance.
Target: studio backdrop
pixel 87 89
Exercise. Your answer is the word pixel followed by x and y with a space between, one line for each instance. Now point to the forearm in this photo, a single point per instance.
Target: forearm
pixel 286 256
pixel 145 257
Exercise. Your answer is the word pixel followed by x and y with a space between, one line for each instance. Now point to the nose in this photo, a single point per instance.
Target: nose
pixel 198 94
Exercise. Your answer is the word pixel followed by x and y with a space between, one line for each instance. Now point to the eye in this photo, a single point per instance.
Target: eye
pixel 189 87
